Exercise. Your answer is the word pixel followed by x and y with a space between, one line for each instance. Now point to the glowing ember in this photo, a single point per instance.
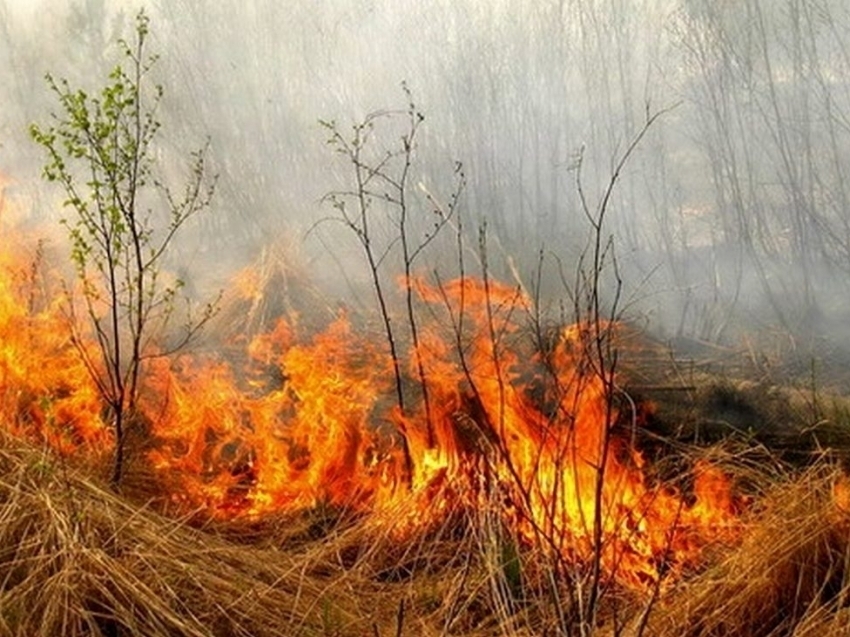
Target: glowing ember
pixel 294 423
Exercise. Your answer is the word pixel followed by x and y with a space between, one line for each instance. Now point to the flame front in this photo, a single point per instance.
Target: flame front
pixel 294 422
pixel 46 392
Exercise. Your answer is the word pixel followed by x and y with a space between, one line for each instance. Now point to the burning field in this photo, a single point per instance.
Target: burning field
pixel 277 484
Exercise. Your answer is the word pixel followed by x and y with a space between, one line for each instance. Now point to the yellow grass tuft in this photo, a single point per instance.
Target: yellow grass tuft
pixel 76 559
pixel 788 576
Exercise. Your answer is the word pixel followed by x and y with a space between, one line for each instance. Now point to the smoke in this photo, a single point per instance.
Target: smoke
pixel 730 216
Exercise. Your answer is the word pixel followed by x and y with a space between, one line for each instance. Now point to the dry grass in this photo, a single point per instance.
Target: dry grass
pixel 274 286
pixel 788 576
pixel 77 559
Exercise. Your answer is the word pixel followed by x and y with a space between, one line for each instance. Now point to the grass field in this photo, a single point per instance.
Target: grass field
pixel 266 492
pixel 78 559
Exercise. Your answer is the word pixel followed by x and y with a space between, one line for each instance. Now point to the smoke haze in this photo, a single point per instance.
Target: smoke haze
pixel 732 215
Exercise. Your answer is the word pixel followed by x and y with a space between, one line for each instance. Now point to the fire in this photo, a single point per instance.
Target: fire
pixel 295 421
pixel 46 392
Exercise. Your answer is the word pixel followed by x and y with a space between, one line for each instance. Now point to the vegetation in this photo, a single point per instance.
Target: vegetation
pixel 101 150
pixel 379 209
pixel 79 560
pixel 230 527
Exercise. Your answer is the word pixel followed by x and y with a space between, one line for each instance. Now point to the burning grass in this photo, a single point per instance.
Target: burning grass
pixel 77 559
pixel 276 488
pixel 788 576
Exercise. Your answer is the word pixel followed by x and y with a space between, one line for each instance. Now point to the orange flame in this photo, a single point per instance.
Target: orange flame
pixel 295 423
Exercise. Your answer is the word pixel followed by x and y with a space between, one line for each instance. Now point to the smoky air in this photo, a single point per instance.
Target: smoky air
pixel 729 218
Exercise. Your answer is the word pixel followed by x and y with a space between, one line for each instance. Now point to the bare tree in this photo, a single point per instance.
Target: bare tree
pixel 381 196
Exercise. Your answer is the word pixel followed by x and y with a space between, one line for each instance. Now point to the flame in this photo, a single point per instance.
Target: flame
pixel 46 393
pixel 298 420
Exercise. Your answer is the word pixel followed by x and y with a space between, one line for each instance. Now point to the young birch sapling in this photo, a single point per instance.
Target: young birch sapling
pixel 100 148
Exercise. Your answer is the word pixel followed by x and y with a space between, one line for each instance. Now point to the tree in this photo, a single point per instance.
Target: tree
pixel 101 150
pixel 381 195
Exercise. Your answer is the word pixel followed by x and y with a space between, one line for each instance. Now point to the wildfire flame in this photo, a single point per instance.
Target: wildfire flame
pixel 296 421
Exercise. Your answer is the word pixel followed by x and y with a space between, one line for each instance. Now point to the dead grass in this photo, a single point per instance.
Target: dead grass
pixel 77 559
pixel 788 576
